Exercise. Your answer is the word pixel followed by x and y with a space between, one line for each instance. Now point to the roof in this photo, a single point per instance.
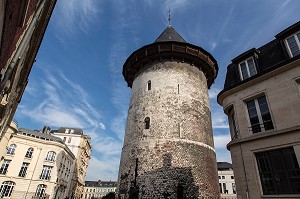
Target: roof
pixel 39 134
pixel 100 183
pixel 169 34
pixel 170 46
pixel 268 57
pixel 224 165
pixel 76 131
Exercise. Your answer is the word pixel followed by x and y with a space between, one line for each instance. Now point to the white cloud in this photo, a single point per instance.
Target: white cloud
pixel 103 169
pixel 102 126
pixel 73 15
pixel 220 141
pixel 213 93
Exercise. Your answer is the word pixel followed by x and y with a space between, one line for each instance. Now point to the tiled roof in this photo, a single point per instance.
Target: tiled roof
pixel 224 165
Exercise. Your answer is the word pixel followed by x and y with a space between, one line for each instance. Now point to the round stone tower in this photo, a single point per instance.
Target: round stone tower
pixel 168 148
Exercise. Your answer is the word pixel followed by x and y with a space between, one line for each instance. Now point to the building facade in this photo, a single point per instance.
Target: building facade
pixel 36 165
pixel 98 189
pixel 80 145
pixel 261 97
pixel 168 149
pixel 22 27
pixel 226 180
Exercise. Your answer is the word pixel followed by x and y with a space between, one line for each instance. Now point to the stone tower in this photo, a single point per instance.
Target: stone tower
pixel 168 149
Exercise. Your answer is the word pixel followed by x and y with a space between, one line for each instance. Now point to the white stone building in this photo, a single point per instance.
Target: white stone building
pixel 36 165
pixel 226 180
pixel 98 189
pixel 261 97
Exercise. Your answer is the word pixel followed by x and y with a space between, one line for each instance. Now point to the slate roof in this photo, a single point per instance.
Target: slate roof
pixel 224 166
pixel 169 34
pixel 39 134
pixel 268 57
pixel 77 131
pixel 100 183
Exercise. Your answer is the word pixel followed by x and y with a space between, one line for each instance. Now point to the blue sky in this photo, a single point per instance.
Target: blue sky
pixel 77 79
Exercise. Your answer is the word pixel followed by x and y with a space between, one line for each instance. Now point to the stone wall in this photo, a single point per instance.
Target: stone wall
pixel 175 157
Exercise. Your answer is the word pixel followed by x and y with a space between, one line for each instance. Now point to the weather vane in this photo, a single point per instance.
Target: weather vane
pixel 169 19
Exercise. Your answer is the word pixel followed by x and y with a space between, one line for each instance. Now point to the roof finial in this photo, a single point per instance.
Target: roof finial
pixel 169 19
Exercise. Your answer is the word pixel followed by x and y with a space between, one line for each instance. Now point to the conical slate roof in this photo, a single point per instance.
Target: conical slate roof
pixel 169 34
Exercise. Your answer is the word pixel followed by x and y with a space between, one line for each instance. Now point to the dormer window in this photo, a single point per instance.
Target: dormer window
pixel 293 44
pixel 247 68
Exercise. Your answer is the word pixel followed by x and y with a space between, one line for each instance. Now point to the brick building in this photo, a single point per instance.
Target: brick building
pixel 22 27
pixel 168 147
pixel 261 97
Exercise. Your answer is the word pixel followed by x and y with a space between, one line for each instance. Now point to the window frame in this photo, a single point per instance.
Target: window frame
pixel 259 113
pixel 247 68
pixel 51 156
pixel 271 175
pixel 40 191
pixel 46 172
pixel 11 149
pixel 23 170
pixel 297 42
pixel 232 123
pixel 4 166
pixel 29 152
pixel 3 189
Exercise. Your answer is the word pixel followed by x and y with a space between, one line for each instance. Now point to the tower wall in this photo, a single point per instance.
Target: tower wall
pixel 175 157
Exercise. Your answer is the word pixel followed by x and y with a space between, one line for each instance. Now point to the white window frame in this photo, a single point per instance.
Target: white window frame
pixel 6 188
pixel 40 191
pixel 29 152
pixel 46 172
pixel 23 169
pixel 51 156
pixel 287 44
pixel 11 149
pixel 4 166
pixel 259 114
pixel 247 67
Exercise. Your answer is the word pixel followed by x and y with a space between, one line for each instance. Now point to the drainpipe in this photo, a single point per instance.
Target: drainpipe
pixel 22 46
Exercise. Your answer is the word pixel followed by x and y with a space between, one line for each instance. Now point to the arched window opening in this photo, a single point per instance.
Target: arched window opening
pixel 40 191
pixel 51 156
pixel 29 153
pixel 149 85
pixel 147 123
pixel 11 149
pixel 6 189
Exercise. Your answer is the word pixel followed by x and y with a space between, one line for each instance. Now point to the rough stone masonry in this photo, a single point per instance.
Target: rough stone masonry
pixel 168 148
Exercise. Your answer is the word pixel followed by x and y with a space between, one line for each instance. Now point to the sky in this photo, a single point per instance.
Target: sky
pixel 77 79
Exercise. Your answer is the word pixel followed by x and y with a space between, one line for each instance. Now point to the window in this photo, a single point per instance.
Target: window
pixel 51 156
pixel 231 117
pixel 219 177
pixel 4 166
pixel 259 115
pixel 149 85
pixel 233 188
pixel 23 169
pixel 147 123
pixel 40 191
pixel 6 189
pixel 45 175
pixel 247 68
pixel 29 153
pixel 223 177
pixel 220 186
pixel 11 149
pixel 224 188
pixel 279 171
pixel 232 177
pixel 293 44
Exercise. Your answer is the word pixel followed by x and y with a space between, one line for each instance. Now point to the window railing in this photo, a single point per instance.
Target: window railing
pixel 235 136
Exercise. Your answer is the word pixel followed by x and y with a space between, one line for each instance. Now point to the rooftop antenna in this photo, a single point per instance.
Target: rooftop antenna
pixel 169 18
